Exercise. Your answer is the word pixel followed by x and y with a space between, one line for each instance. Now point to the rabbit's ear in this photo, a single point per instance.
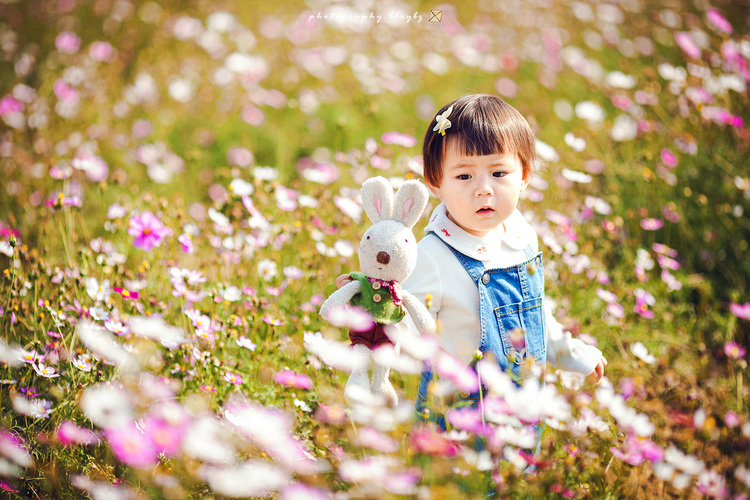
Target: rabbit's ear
pixel 411 198
pixel 377 199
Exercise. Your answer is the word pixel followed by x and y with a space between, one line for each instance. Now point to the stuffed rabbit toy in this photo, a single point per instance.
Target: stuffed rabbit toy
pixel 387 255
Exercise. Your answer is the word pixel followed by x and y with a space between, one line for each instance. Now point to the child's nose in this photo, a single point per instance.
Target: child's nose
pixel 483 187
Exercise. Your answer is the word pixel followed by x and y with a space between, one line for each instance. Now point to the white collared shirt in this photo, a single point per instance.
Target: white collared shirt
pixel 455 298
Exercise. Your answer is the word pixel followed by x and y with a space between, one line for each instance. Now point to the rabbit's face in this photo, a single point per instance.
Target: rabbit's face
pixel 388 251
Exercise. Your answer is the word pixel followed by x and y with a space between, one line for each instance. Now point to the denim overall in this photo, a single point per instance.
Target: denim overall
pixel 509 298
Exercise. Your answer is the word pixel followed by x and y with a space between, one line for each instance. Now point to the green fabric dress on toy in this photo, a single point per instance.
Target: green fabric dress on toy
pixel 376 299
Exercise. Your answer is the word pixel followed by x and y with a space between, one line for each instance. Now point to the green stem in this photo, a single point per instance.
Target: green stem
pixel 739 392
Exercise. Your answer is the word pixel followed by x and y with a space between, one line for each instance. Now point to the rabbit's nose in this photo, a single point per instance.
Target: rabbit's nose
pixel 383 258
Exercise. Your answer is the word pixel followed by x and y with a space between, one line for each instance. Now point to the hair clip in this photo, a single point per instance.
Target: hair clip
pixel 442 121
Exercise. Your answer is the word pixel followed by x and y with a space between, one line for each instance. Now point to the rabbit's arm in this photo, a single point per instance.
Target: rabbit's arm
pixel 418 313
pixel 339 298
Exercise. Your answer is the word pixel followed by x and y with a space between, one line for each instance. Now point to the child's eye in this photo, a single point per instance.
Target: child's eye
pixel 499 174
pixel 463 177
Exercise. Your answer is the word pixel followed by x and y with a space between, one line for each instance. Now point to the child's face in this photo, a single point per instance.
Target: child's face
pixel 480 192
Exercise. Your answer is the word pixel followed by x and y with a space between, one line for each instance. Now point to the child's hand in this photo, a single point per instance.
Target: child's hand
pixel 343 280
pixel 598 372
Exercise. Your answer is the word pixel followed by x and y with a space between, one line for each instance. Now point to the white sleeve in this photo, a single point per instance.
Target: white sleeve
pixel 424 281
pixel 565 352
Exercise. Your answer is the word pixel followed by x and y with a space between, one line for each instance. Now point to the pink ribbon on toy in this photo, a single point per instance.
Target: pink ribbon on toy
pixel 393 287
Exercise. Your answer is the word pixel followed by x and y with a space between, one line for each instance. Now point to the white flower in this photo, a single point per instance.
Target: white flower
pixel 663 471
pixel 181 90
pixel 598 205
pixel 576 176
pixel 386 355
pixel 217 217
pixel 624 128
pixel 83 363
pixel 10 356
pixel 45 371
pixel 302 405
pixel 107 405
pixel 221 21
pixel 98 291
pixel 99 313
pixel 239 187
pixel 575 143
pixel 6 249
pixel 103 343
pixel 639 350
pixel 246 343
pixel 207 439
pixel 643 259
pixel 344 248
pixel 232 294
pixel 620 80
pixel 546 152
pixel 266 173
pixel 252 478
pixel 267 269
pixel 335 354
pixel 156 328
pixel 35 408
pixel 590 111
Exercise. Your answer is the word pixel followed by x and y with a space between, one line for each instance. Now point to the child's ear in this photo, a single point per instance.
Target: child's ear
pixel 435 191
pixel 526 180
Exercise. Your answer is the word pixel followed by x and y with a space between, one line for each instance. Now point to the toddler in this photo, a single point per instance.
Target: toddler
pixel 480 262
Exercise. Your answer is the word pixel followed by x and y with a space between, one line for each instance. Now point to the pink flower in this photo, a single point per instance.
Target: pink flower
pixel 734 350
pixel 428 440
pixel 187 243
pixel 616 310
pixel 127 294
pixel 148 231
pixel 7 487
pixel 70 434
pixel 638 450
pixel 100 51
pixel 379 162
pixel 712 484
pixel 606 295
pixel 731 419
pixel 719 21
pixel 68 42
pixel 9 104
pixel 404 140
pixel 354 317
pixel 373 438
pixel 289 378
pixel 96 168
pixel 64 92
pixel 651 224
pixel 465 419
pixel 668 158
pixel 166 438
pixel 686 43
pixel 451 368
pixel 131 446
pixel 742 311
pixel 233 378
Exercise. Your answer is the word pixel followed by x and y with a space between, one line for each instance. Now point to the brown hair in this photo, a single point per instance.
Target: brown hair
pixel 481 124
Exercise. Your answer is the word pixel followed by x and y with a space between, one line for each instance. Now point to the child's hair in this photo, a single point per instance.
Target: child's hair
pixel 481 124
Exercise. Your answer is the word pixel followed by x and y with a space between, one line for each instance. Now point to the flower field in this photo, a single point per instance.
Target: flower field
pixel 180 189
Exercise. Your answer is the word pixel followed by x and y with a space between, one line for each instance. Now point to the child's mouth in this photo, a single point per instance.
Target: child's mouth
pixel 485 211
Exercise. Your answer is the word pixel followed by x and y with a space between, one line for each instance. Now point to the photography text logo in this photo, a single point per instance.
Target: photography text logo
pixel 391 17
